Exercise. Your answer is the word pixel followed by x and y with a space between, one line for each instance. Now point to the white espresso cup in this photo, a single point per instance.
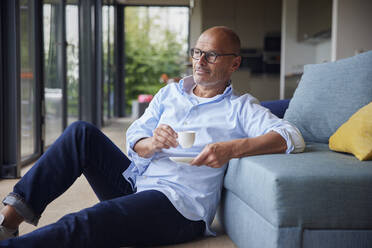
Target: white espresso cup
pixel 186 138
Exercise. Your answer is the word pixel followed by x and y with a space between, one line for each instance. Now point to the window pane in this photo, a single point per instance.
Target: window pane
pixel 53 84
pixel 155 49
pixel 28 104
pixel 72 37
pixel 108 60
pixel 112 62
pixel 105 43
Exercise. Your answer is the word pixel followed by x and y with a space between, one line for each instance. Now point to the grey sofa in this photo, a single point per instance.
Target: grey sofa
pixel 315 199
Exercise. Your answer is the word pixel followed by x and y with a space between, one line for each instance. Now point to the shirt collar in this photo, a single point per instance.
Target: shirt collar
pixel 187 83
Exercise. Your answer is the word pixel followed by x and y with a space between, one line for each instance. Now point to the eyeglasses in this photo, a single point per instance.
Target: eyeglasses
pixel 210 57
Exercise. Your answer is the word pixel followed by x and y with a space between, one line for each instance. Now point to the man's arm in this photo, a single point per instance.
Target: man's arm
pixel 217 154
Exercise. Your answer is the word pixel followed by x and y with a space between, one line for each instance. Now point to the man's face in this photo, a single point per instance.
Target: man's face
pixel 219 72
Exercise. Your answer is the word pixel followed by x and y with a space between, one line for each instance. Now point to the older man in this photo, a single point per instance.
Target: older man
pixel 151 199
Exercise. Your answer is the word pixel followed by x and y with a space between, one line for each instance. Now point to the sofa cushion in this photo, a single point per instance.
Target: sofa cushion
pixel 355 135
pixel 328 94
pixel 315 189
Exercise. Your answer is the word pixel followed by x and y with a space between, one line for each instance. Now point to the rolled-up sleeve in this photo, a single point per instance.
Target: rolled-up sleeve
pixel 141 128
pixel 258 120
pixel 293 137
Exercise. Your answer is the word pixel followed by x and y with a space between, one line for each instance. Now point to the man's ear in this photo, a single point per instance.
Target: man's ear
pixel 236 63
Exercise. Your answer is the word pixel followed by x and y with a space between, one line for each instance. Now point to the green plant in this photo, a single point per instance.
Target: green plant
pixel 151 49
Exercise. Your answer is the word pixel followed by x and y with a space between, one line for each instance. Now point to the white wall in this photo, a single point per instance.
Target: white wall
pixel 294 54
pixel 196 26
pixel 323 52
pixel 351 27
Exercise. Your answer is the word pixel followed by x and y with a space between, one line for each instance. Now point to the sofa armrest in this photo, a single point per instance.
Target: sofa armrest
pixel 277 107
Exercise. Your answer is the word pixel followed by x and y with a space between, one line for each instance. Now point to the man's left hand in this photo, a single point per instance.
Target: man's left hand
pixel 213 155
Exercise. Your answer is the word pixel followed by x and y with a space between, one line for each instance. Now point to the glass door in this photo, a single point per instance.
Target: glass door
pixel 53 73
pixel 61 66
pixel 108 61
pixel 72 51
pixel 27 79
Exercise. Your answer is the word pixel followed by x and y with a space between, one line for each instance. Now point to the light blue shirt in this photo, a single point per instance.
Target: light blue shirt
pixel 195 190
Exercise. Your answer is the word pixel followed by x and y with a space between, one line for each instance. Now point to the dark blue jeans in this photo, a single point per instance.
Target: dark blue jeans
pixel 122 218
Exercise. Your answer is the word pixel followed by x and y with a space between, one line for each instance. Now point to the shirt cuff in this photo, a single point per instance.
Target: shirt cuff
pixel 140 163
pixel 295 142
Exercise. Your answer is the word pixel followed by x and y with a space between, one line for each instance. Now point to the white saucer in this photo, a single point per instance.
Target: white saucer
pixel 186 160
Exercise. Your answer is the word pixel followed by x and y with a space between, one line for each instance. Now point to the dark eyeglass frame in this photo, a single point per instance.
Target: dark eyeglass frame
pixel 208 55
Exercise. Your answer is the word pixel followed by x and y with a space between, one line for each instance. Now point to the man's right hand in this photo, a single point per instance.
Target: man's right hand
pixel 163 137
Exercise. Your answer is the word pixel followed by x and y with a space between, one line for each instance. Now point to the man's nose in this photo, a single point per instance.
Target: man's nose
pixel 203 59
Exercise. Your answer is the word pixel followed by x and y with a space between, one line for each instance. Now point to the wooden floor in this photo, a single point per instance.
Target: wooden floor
pixel 80 196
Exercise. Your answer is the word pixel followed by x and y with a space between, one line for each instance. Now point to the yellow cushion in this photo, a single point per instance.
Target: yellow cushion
pixel 355 135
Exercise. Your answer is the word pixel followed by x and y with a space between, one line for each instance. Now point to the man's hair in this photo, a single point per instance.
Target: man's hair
pixel 230 35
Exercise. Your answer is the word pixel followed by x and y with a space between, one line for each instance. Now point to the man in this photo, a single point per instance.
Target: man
pixel 150 199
